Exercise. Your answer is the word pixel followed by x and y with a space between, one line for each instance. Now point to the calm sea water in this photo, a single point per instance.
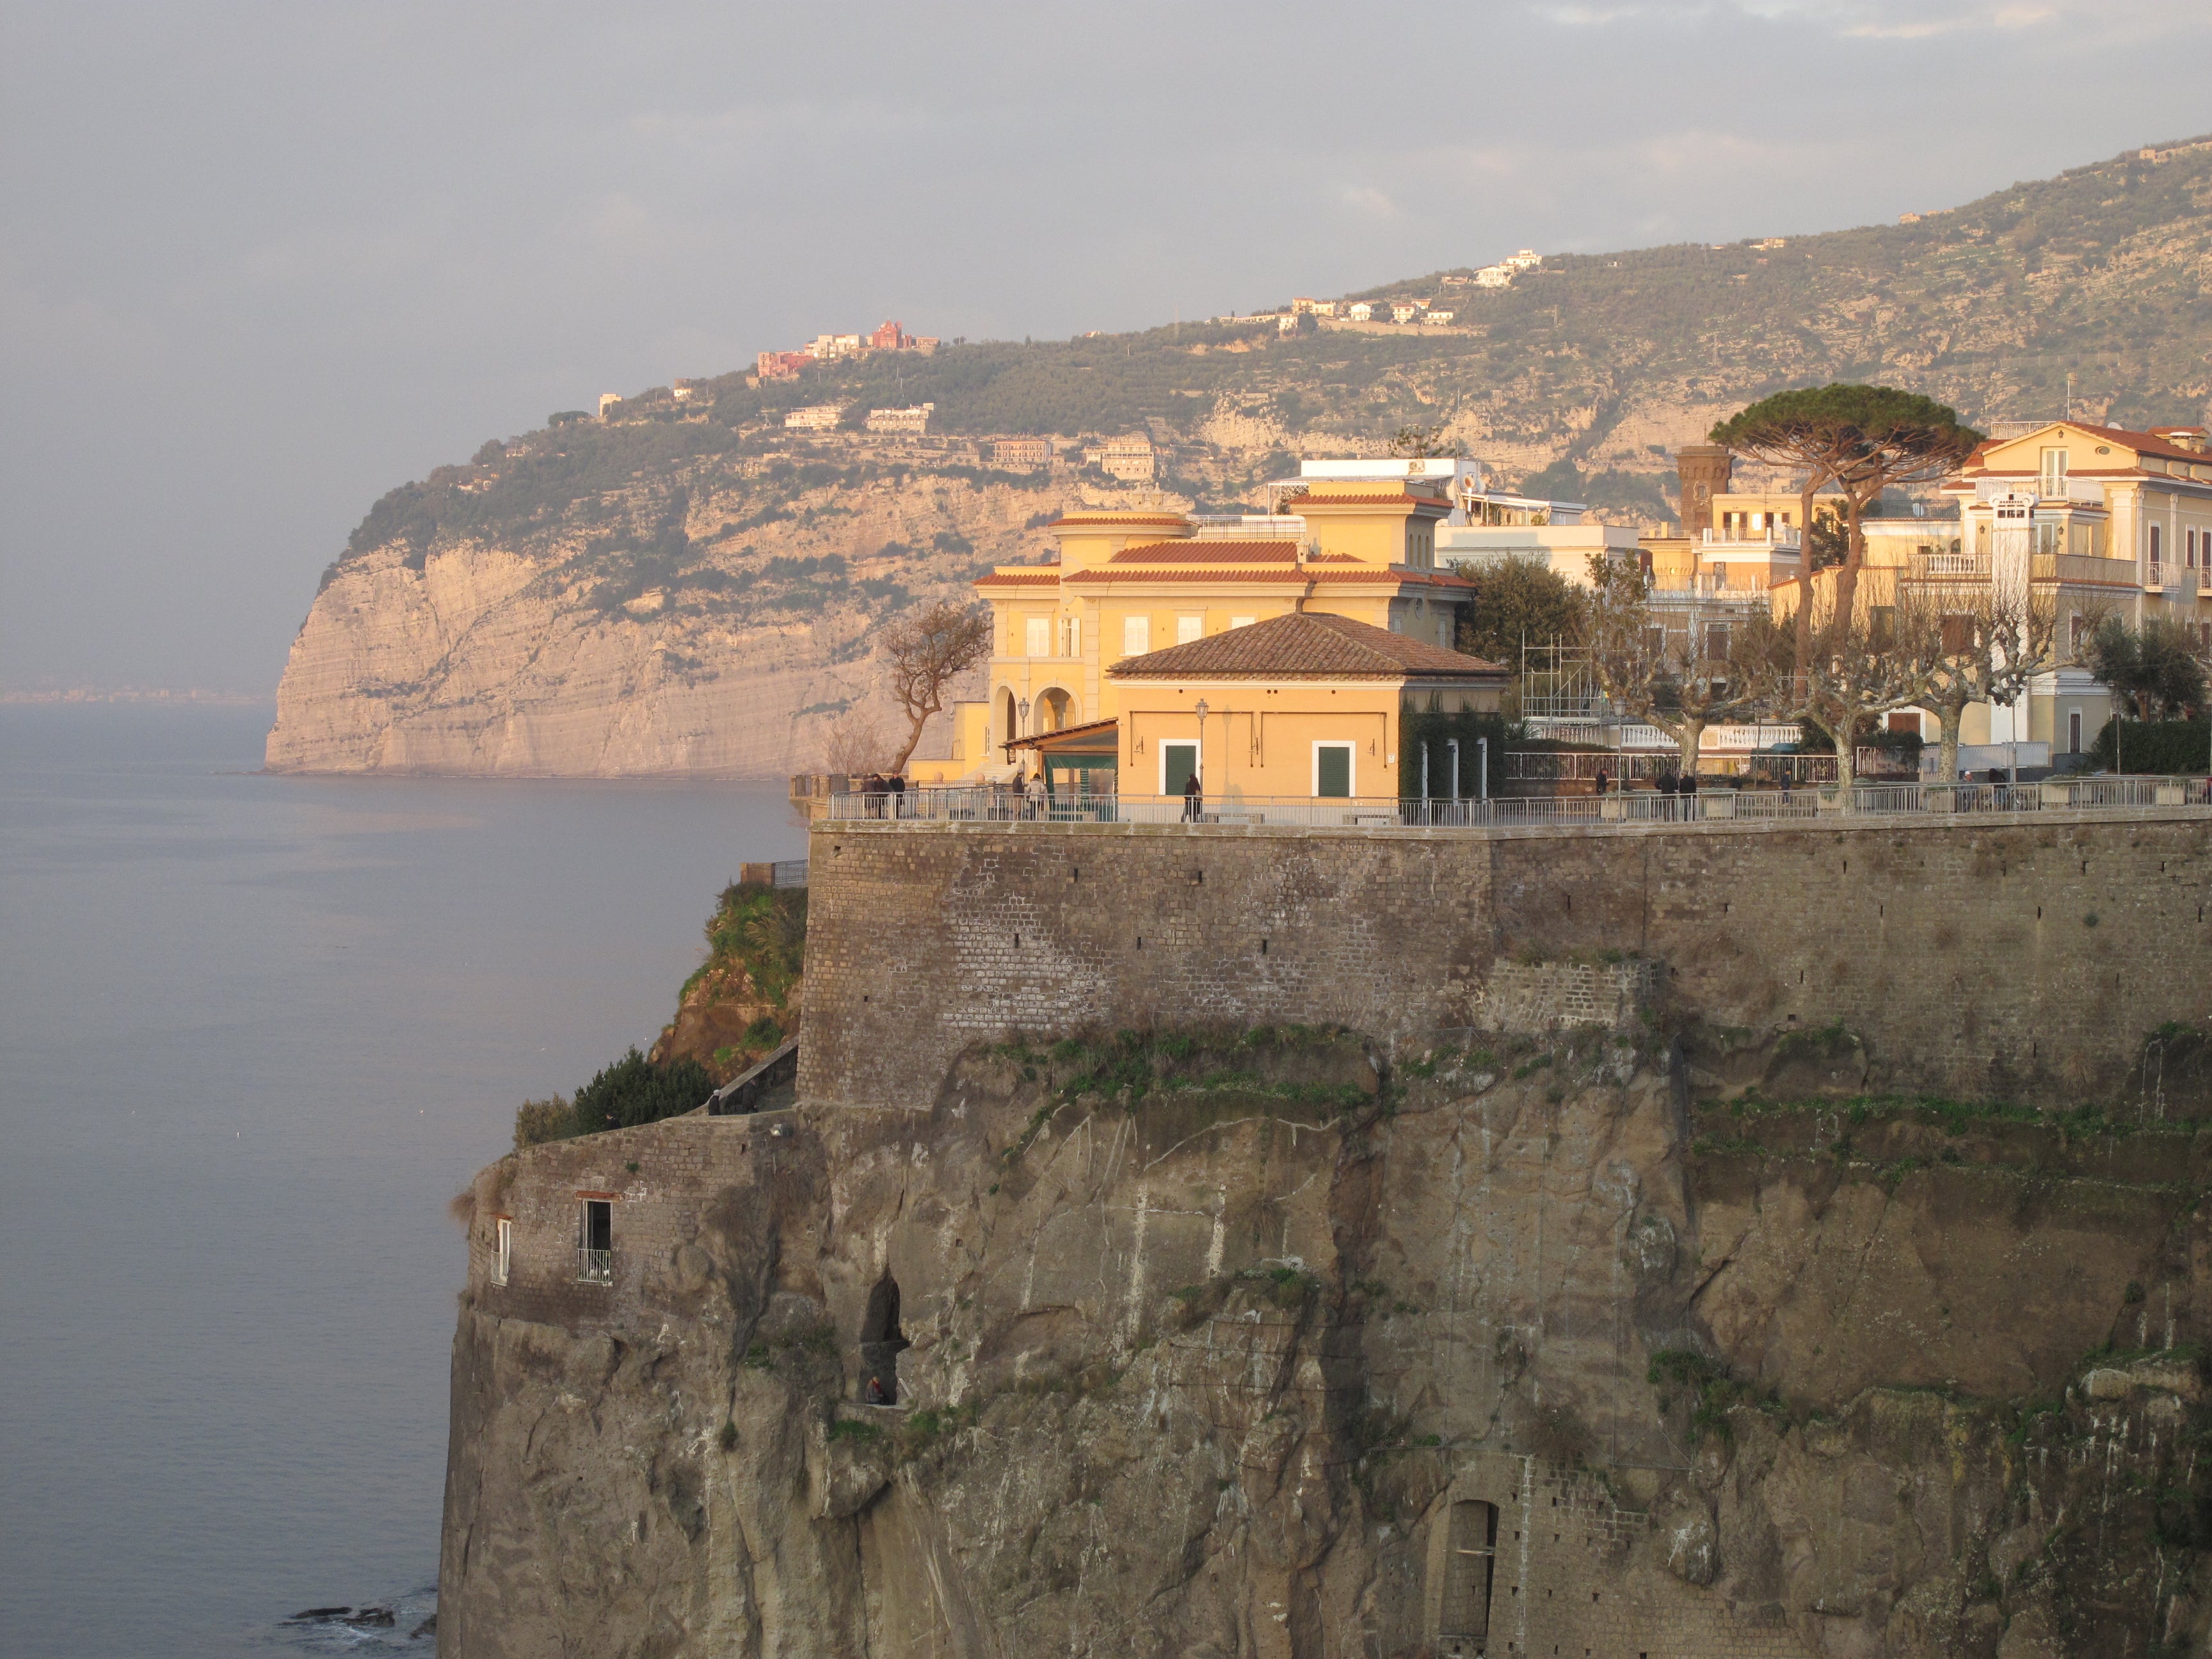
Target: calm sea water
pixel 255 1033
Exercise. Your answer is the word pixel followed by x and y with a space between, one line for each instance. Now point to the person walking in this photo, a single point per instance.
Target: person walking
pixel 1602 781
pixel 1033 796
pixel 1194 799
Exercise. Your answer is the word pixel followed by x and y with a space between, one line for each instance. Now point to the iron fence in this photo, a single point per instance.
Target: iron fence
pixel 1781 798
pixel 595 1267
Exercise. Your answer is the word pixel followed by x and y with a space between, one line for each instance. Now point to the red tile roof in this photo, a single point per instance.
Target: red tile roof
pixel 1305 645
pixel 1111 520
pixel 1379 498
pixel 1220 552
pixel 2142 442
pixel 1049 578
pixel 1282 574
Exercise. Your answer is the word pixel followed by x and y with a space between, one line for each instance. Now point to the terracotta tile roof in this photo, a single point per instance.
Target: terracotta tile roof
pixel 2142 442
pixel 1378 498
pixel 1111 520
pixel 1288 575
pixel 1220 552
pixel 1305 645
pixel 1047 577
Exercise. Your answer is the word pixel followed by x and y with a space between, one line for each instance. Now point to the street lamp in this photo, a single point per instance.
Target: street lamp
pixel 1201 712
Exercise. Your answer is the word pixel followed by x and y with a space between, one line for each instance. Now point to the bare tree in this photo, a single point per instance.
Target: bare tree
pixel 1973 644
pixel 926 652
pixel 855 744
pixel 1857 673
pixel 1676 683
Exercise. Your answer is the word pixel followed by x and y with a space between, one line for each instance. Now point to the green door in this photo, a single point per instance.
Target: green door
pixel 1333 770
pixel 1181 760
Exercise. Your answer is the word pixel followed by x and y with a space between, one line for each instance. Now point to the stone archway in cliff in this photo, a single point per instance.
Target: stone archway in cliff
pixel 881 1340
pixel 1468 1563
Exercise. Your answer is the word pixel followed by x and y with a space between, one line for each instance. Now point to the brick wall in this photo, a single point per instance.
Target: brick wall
pixel 2027 961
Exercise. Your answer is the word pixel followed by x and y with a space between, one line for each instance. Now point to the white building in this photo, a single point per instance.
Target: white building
pixel 607 401
pixel 1361 312
pixel 815 417
pixel 911 421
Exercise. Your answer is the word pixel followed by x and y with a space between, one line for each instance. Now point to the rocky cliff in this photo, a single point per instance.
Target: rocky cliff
pixel 1567 1300
pixel 652 630
pixel 1208 1369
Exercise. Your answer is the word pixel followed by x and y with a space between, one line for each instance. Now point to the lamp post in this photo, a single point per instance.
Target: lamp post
pixel 1200 711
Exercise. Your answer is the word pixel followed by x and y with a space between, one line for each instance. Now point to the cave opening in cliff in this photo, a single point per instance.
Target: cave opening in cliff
pixel 881 1340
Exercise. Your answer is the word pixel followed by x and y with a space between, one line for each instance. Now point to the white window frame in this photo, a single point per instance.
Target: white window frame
pixel 2073 731
pixel 1073 630
pixel 1198 760
pixel 2050 472
pixel 1351 766
pixel 1190 627
pixel 1136 635
pixel 1241 622
pixel 502 1248
pixel 1036 636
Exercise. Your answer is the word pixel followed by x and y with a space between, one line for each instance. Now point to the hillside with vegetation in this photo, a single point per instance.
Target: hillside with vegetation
pixel 688 586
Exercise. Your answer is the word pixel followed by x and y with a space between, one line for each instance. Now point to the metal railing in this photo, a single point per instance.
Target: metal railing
pixel 595 1267
pixel 1782 798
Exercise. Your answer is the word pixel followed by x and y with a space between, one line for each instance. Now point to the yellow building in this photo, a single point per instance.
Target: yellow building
pixel 1125 584
pixel 2092 521
pixel 1305 704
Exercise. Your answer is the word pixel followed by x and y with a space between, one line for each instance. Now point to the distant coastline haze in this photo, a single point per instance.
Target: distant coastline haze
pixel 261 264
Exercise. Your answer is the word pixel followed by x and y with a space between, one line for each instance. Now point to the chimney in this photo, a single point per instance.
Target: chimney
pixel 2191 438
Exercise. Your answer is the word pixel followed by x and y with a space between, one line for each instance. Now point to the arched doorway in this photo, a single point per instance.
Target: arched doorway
pixel 881 1340
pixel 1055 709
pixel 1009 724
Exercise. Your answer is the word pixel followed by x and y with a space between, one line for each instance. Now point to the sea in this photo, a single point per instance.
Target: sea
pixel 255 1033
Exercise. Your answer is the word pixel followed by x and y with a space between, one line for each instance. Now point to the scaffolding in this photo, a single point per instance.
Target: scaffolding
pixel 1561 682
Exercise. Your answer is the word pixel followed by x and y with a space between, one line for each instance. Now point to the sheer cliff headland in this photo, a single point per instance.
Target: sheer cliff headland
pixel 687 586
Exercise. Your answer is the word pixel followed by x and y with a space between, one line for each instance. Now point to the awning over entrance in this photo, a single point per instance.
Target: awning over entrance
pixel 1094 747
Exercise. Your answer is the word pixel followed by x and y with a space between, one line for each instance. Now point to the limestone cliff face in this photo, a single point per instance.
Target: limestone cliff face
pixel 1226 1368
pixel 532 656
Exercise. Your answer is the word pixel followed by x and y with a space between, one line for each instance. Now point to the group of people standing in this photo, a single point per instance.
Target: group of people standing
pixel 884 794
pixel 1668 783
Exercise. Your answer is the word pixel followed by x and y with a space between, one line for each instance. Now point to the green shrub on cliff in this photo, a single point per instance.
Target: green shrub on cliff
pixel 635 1090
pixel 631 1092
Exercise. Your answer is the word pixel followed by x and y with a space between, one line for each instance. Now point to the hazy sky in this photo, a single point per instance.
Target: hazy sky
pixel 260 263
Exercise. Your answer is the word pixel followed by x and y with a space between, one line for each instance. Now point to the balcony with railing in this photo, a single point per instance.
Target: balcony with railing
pixel 595 1267
pixel 1778 542
pixel 2059 569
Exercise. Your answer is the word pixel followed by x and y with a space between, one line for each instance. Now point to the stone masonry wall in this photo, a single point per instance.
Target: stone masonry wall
pixel 1979 957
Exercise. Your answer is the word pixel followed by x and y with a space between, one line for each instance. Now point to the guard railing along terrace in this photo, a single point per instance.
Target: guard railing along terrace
pixel 1638 806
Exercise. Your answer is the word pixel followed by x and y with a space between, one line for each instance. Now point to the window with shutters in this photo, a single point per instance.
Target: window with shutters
pixel 1178 761
pixel 503 1249
pixel 1039 641
pixel 1136 635
pixel 1189 629
pixel 1470 1562
pixel 1333 770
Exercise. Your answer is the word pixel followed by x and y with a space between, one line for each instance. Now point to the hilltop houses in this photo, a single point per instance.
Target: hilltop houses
pixel 891 335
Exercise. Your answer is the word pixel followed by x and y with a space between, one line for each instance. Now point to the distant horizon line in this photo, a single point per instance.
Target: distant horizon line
pixel 201 696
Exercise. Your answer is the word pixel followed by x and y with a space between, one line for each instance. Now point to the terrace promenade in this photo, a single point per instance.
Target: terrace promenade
pixel 1827 804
